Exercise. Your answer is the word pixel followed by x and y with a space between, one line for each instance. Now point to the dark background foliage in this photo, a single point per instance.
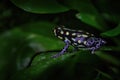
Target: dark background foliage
pixel 27 41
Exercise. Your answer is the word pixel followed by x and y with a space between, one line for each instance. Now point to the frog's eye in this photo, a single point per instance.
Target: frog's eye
pixel 58 31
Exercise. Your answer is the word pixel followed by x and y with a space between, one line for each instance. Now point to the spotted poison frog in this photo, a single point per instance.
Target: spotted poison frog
pixel 78 39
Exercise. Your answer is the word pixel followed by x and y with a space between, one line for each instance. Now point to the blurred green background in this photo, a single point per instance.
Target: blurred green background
pixel 27 41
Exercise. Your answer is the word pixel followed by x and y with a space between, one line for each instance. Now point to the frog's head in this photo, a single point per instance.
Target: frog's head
pixel 59 31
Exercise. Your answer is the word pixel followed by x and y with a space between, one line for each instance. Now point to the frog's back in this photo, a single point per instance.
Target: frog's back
pixel 72 36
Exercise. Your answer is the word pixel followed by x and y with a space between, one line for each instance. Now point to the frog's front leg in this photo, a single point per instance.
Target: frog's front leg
pixel 78 40
pixel 63 50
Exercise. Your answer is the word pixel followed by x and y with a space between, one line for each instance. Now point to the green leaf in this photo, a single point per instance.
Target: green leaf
pixel 44 67
pixel 104 74
pixel 40 6
pixel 41 35
pixel 112 33
pixel 17 47
pixel 87 13
pixel 108 58
pixel 42 63
pixel 39 28
pixel 112 17
pixel 14 52
pixel 110 13
pixel 43 43
pixel 91 20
